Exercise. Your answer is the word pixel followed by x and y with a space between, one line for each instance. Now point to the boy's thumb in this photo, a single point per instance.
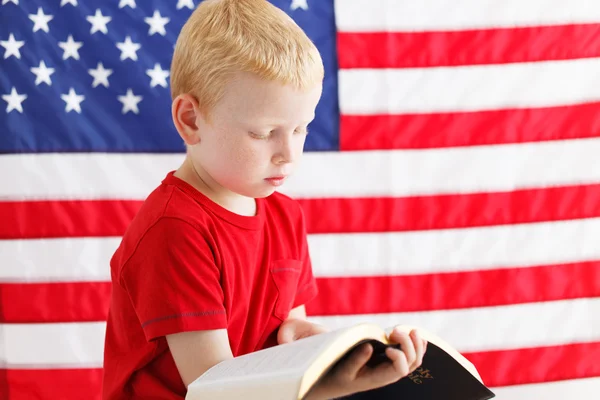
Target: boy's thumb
pixel 285 335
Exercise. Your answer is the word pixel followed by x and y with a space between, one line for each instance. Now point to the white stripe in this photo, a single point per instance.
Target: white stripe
pixel 469 88
pixel 395 15
pixel 83 176
pixel 361 254
pixel 440 251
pixel 72 344
pixel 335 174
pixel 59 345
pixel 496 328
pixel 561 390
pixel 57 260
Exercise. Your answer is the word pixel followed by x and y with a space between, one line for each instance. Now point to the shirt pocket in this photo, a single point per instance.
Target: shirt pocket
pixel 285 275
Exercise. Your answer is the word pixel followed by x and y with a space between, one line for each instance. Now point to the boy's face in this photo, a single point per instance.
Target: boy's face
pixel 255 137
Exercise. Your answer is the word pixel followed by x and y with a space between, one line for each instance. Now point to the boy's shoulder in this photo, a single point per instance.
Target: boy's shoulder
pixel 286 205
pixel 167 202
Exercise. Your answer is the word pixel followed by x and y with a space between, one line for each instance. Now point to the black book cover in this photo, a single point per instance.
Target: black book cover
pixel 440 377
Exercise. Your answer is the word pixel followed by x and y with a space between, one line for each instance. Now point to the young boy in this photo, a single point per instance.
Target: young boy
pixel 216 263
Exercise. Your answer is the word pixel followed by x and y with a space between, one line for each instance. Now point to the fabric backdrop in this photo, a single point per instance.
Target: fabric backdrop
pixel 451 178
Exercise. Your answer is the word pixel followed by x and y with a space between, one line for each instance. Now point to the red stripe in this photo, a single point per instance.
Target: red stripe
pixel 29 220
pixel 54 302
pixel 338 296
pixel 51 384
pixel 453 129
pixel 468 47
pixel 64 218
pixel 347 215
pixel 497 368
pixel 537 365
pixel 88 301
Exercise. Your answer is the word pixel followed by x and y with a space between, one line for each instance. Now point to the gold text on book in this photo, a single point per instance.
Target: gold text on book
pixel 420 375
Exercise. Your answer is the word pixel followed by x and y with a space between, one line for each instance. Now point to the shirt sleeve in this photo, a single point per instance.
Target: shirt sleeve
pixel 173 281
pixel 307 285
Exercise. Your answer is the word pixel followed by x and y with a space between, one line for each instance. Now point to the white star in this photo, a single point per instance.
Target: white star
pixel 158 75
pixel 42 73
pixel 157 23
pixel 72 2
pixel 73 101
pixel 70 48
pixel 40 20
pixel 299 4
pixel 98 22
pixel 14 100
pixel 130 3
pixel 100 75
pixel 130 102
pixel 128 49
pixel 14 1
pixel 185 3
pixel 12 47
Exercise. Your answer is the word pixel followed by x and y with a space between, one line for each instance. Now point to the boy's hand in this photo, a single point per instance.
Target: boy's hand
pixel 295 328
pixel 353 375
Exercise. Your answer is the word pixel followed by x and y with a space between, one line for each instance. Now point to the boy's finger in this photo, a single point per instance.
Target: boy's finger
pixel 406 345
pixel 399 361
pixel 419 350
pixel 357 359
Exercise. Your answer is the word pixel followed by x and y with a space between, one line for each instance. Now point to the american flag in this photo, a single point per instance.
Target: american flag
pixel 451 178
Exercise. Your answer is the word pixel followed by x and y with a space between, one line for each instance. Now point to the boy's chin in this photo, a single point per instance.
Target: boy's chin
pixel 264 193
pixel 257 193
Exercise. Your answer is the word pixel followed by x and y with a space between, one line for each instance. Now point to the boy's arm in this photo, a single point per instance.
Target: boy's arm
pixel 298 313
pixel 195 352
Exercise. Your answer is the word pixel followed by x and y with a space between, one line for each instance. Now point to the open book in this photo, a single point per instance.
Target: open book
pixel 289 371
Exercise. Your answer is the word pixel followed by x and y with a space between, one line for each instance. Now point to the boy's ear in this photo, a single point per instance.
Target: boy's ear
pixel 184 111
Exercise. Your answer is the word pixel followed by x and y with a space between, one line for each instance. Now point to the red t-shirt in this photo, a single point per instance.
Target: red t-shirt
pixel 186 263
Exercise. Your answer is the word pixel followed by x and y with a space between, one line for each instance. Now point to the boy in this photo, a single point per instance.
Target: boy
pixel 216 263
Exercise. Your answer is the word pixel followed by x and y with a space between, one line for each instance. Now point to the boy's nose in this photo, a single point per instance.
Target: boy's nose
pixel 285 156
pixel 286 153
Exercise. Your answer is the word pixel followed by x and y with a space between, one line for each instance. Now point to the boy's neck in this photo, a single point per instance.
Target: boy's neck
pixel 203 183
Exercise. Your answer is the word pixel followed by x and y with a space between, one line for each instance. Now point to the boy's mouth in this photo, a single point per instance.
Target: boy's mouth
pixel 276 180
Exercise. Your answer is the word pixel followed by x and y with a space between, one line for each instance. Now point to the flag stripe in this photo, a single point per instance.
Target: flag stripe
pixel 495 328
pixel 469 88
pixel 71 218
pixel 549 363
pixel 469 47
pixel 66 218
pixel 339 255
pixel 89 301
pixel 426 131
pixel 54 302
pixel 63 384
pixel 395 173
pixel 390 294
pixel 436 15
pixel 56 260
pixel 469 249
pixel 66 345
pixel 60 345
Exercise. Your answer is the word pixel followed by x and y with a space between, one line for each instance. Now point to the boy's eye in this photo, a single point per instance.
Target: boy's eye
pixel 258 136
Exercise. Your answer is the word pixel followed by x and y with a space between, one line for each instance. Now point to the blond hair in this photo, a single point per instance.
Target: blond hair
pixel 223 37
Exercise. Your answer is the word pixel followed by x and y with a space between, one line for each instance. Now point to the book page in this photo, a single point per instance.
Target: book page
pixel 292 357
